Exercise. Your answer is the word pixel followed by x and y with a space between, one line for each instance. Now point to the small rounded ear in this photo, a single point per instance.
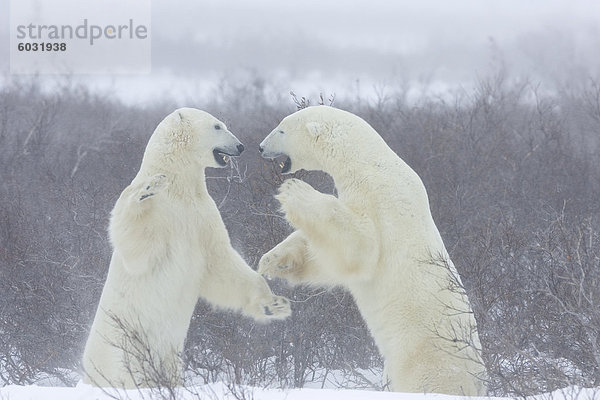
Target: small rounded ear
pixel 314 128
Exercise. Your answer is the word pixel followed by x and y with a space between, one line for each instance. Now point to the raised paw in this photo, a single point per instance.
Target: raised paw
pixel 277 307
pixel 298 197
pixel 293 188
pixel 154 185
pixel 274 264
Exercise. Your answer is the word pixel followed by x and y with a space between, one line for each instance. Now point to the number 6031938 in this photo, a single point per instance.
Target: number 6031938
pixel 43 46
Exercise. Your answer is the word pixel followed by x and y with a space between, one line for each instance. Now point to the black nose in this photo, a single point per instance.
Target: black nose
pixel 240 148
pixel 260 148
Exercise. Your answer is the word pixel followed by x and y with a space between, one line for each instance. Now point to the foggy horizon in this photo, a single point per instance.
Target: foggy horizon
pixel 355 48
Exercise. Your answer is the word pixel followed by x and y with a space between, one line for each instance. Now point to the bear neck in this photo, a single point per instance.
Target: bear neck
pixel 191 187
pixel 352 178
pixel 362 177
pixel 347 162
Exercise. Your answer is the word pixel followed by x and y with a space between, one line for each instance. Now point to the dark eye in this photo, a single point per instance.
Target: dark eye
pixel 217 127
pixel 281 132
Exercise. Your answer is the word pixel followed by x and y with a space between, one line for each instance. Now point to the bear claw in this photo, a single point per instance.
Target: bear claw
pixel 157 183
pixel 278 309
pixel 145 196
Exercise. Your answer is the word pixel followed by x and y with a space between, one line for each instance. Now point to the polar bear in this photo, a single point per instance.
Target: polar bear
pixel 170 248
pixel 378 239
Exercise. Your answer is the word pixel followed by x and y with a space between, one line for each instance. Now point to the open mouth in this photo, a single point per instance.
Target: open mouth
pixel 284 162
pixel 222 157
pixel 281 159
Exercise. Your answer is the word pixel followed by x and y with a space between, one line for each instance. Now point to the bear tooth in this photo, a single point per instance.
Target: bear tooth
pixel 281 164
pixel 226 158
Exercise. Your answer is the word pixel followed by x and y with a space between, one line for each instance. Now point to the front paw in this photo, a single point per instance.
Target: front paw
pixel 153 186
pixel 275 264
pixel 298 197
pixel 277 307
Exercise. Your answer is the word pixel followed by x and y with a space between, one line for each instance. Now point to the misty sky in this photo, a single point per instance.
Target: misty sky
pixel 329 46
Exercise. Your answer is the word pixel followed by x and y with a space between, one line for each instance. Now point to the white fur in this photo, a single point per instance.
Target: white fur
pixel 379 240
pixel 170 248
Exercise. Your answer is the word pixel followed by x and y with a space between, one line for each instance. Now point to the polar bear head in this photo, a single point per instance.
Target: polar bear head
pixel 318 138
pixel 192 137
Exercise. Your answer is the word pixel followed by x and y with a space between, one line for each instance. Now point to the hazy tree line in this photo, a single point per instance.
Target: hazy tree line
pixel 513 177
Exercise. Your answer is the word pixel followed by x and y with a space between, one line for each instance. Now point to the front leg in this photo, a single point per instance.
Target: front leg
pixel 339 239
pixel 292 260
pixel 231 283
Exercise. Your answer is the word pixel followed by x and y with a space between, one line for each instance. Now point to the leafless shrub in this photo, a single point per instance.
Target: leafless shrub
pixel 304 102
pixel 513 181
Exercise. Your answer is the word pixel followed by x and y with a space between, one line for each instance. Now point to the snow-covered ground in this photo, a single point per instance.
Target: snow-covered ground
pixel 218 391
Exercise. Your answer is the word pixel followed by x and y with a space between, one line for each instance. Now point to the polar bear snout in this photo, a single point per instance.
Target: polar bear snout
pixel 233 151
pixel 284 161
pixel 222 153
pixel 267 148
